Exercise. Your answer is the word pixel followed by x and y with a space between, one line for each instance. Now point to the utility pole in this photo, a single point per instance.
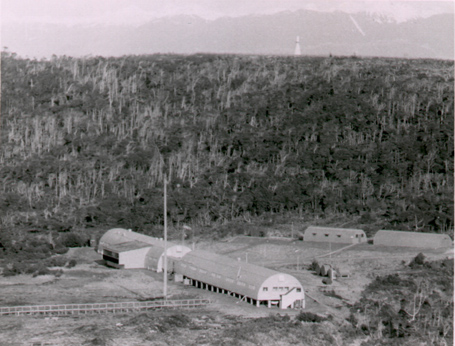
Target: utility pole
pixel 165 240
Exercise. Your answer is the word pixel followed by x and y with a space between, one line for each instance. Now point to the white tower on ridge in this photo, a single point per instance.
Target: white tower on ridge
pixel 297 47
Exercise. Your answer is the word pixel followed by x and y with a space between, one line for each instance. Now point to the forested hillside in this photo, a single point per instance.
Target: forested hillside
pixel 87 142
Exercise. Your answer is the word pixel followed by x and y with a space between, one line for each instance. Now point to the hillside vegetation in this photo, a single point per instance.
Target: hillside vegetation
pixel 87 142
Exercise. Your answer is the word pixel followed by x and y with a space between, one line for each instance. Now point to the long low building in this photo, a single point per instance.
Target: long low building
pixel 412 239
pixel 334 235
pixel 123 248
pixel 252 283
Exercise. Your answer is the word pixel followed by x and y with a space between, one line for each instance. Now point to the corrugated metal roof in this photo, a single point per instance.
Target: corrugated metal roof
pixel 152 259
pixel 412 239
pixel 120 235
pixel 127 246
pixel 225 272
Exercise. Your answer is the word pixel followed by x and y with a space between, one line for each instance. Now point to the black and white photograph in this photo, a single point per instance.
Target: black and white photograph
pixel 227 172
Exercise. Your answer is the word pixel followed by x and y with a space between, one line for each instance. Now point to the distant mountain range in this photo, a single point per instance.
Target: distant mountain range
pixel 321 33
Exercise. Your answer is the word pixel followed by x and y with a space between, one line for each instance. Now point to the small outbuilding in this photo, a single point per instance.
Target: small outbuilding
pixel 412 239
pixel 126 249
pixel 334 235
pixel 249 282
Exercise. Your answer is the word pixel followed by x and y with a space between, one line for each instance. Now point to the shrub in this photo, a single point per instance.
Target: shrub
pixel 310 317
pixel 58 261
pixel 73 240
pixel 60 249
pixel 71 263
pixel 177 320
pixel 418 260
pixel 41 270
pixel 57 273
pixel 19 267
pixel 8 272
pixel 327 281
pixel 314 265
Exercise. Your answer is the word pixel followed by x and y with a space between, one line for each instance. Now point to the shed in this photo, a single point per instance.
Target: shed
pixel 334 235
pixel 250 282
pixel 123 248
pixel 412 239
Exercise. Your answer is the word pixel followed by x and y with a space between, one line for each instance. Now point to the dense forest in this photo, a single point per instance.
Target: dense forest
pixel 88 142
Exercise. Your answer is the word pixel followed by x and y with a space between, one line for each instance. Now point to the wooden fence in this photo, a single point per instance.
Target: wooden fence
pixel 77 309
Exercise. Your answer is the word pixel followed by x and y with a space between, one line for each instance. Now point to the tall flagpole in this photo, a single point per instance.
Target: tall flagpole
pixel 165 240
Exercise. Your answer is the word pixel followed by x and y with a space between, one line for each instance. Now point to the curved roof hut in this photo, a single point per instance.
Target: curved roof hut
pixel 123 248
pixel 154 258
pixel 120 235
pixel 246 280
pixel 412 239
pixel 334 235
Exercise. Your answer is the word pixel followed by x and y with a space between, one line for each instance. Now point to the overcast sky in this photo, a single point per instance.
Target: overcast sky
pixel 139 11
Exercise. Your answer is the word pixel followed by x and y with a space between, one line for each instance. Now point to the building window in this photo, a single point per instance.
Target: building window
pixel 339 235
pixel 314 234
pixel 265 289
pixel 275 288
pixel 362 235
pixel 110 259
pixel 326 234
pixel 286 288
pixel 299 290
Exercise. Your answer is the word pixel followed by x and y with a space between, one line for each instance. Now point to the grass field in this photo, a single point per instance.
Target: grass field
pixel 90 281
